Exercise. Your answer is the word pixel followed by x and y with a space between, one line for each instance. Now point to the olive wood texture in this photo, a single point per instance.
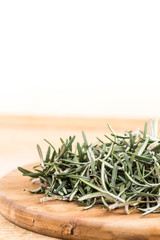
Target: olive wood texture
pixel 66 220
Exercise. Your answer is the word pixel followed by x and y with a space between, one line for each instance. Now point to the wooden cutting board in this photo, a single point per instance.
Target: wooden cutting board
pixel 66 220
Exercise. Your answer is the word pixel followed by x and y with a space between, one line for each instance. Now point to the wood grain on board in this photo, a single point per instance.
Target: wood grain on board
pixel 11 231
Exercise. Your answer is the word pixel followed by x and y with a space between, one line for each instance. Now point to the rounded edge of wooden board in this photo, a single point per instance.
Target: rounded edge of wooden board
pixel 69 227
pixel 34 220
pixel 49 225
pixel 58 227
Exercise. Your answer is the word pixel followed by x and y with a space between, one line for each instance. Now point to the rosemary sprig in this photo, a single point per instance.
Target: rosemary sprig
pixel 123 171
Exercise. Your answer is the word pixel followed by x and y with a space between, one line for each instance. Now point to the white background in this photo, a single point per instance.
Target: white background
pixel 80 58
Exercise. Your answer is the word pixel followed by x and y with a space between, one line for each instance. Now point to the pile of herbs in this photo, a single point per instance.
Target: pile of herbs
pixel 123 171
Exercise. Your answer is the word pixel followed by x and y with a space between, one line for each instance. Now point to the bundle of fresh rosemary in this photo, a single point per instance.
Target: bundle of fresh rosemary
pixel 123 171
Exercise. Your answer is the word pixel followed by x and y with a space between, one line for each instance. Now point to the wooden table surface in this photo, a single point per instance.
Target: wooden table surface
pixel 19 136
